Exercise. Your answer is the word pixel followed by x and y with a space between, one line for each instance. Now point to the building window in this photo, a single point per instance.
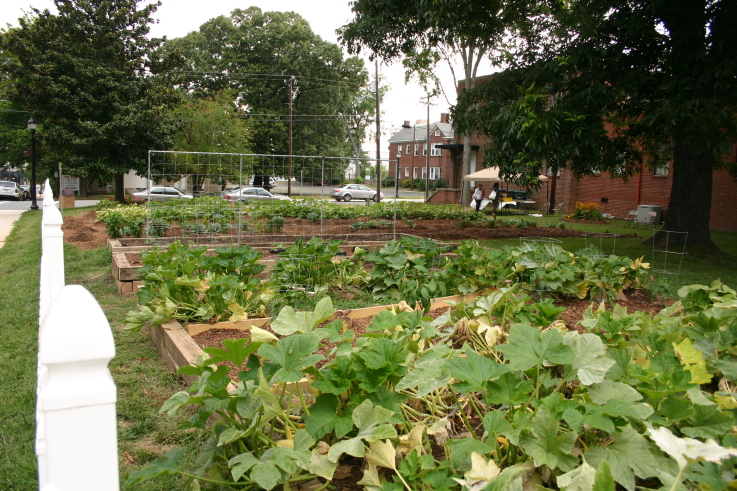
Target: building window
pixel 549 172
pixel 424 173
pixel 595 171
pixel 414 172
pixel 434 173
pixel 399 150
pixel 661 170
pixel 424 149
pixel 406 172
pixel 436 152
pixel 408 149
pixel 437 132
pixel 417 147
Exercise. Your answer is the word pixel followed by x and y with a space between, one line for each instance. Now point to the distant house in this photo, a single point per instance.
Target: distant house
pixel 419 149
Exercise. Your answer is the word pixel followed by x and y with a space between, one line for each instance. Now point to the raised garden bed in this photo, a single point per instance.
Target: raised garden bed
pixel 177 347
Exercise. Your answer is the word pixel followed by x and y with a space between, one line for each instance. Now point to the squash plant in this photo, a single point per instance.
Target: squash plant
pixel 539 406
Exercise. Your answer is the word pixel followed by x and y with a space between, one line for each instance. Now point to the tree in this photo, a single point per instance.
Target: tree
pixel 212 124
pixel 94 80
pixel 620 85
pixel 262 56
pixel 427 31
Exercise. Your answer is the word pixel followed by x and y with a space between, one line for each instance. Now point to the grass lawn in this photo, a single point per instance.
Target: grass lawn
pixel 142 379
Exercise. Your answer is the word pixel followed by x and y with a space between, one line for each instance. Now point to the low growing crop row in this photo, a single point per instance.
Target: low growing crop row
pixel 189 285
pixel 492 395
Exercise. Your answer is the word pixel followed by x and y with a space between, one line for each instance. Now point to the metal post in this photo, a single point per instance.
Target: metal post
pixel 32 126
pixel 427 152
pixel 378 135
pixel 291 103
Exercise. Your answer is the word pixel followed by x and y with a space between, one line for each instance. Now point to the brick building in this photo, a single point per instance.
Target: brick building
pixel 410 146
pixel 617 197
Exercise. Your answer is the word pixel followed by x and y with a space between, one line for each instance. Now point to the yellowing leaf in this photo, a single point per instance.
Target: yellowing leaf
pixel 412 441
pixel 259 335
pixel 726 401
pixel 285 443
pixel 383 454
pixel 688 450
pixel 238 312
pixel 481 470
pixel 371 480
pixel 693 360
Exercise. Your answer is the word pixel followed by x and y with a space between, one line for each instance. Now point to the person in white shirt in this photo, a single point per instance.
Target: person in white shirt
pixel 478 196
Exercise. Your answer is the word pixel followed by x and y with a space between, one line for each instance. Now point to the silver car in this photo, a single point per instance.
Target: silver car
pixel 354 191
pixel 251 194
pixel 162 193
pixel 11 190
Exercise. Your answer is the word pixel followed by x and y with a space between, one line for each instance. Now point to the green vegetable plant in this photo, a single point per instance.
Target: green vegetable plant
pixel 190 285
pixel 629 402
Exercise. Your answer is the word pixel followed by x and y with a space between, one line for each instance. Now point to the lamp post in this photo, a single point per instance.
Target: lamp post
pixel 32 125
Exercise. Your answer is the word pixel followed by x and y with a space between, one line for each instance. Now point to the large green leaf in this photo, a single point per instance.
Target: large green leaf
pixel 590 360
pixel 474 372
pixel 548 445
pixel 289 321
pixel 371 423
pixel 528 347
pixel 629 456
pixel 292 353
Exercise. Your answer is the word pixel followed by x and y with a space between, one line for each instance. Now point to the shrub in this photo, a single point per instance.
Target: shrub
pixel 356 225
pixel 587 211
pixel 275 225
pixel 387 181
pixel 123 220
pixel 407 184
pixel 438 183
pixel 313 216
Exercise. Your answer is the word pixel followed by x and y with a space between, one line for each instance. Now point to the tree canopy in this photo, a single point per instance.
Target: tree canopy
pixel 260 56
pixel 617 85
pixel 94 80
pixel 428 31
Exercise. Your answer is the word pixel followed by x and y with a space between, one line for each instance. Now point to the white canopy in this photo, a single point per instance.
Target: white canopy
pixel 491 174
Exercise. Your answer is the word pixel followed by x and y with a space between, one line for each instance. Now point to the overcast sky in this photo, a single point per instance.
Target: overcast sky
pixel 179 17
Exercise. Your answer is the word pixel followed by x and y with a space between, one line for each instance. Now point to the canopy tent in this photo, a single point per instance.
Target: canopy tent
pixel 491 174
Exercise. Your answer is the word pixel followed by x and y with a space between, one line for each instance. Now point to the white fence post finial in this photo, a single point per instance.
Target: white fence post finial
pixel 78 395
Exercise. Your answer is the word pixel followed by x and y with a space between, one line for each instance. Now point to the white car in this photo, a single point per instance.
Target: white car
pixel 253 194
pixel 11 190
pixel 162 193
pixel 354 191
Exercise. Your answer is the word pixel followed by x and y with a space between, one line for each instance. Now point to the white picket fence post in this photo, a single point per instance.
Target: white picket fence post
pixel 52 253
pixel 78 397
pixel 76 427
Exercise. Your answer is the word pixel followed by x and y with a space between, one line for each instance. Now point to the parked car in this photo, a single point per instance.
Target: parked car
pixel 27 191
pixel 354 191
pixel 11 190
pixel 251 194
pixel 230 190
pixel 161 193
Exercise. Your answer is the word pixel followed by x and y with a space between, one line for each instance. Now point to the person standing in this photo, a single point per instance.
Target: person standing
pixel 494 197
pixel 478 196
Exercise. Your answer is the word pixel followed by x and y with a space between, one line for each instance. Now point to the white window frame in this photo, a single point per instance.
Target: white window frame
pixel 662 170
pixel 399 149
pixel 406 172
pixel 408 150
pixel 435 151
pixel 437 132
pixel 434 173
pixel 424 172
pixel 424 149
pixel 417 148
pixel 414 172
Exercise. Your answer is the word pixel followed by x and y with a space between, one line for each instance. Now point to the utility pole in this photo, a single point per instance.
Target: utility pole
pixel 378 135
pixel 291 103
pixel 427 150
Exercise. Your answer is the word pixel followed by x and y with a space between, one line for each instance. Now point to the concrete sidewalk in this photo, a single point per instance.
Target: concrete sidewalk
pixel 7 219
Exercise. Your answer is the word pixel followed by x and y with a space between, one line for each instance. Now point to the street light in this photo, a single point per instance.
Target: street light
pixel 32 125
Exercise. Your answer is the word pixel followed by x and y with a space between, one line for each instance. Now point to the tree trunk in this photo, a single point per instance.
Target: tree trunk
pixel 119 189
pixel 690 199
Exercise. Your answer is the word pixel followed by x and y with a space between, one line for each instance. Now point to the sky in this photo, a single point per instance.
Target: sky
pixel 176 18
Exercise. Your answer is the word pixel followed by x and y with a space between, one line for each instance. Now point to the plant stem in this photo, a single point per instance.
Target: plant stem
pixel 466 423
